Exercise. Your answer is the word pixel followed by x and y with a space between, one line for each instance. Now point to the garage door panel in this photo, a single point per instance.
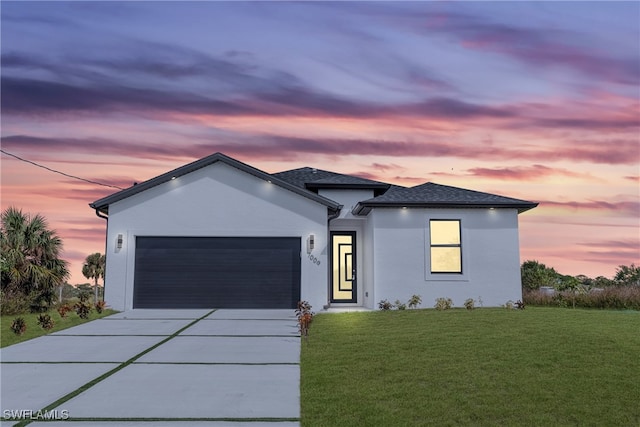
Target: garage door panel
pixel 220 272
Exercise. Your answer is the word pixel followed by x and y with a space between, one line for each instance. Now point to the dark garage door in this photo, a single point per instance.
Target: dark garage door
pixel 217 272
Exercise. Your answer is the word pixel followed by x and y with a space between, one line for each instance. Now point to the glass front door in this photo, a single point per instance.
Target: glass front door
pixel 343 266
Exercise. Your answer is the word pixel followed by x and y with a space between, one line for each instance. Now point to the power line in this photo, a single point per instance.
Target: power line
pixel 58 172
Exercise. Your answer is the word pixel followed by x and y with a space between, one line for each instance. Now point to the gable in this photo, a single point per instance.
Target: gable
pixel 102 205
pixel 218 197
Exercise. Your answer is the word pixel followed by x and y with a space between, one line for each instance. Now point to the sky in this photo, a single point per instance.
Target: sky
pixel 533 100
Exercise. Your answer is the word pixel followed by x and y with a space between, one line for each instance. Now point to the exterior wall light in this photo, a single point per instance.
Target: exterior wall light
pixel 119 241
pixel 311 242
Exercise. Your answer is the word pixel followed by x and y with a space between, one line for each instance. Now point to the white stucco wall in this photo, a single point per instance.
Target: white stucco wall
pixel 348 222
pixel 217 200
pixel 347 198
pixel 490 250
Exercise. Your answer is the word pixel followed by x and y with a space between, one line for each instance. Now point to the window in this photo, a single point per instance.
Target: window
pixel 445 246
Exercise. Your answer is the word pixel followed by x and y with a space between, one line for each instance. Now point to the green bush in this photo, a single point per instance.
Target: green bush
pixel 414 301
pixel 400 305
pixel 613 297
pixel 12 303
pixel 443 304
pixel 469 304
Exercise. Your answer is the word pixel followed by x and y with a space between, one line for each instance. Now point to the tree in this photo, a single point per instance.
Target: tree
pixel 535 274
pixel 93 268
pixel 602 282
pixel 627 275
pixel 31 265
pixel 568 283
pixel 585 280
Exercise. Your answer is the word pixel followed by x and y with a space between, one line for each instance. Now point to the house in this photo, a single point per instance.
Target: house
pixel 218 233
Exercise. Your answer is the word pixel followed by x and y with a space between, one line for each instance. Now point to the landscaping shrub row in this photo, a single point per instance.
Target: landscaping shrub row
pixel 624 297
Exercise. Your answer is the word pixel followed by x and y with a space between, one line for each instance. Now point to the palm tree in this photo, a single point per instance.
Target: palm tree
pixel 93 268
pixel 31 264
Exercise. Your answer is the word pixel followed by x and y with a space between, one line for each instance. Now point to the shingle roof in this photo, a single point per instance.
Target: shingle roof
pixel 304 181
pixel 102 205
pixel 440 196
pixel 311 178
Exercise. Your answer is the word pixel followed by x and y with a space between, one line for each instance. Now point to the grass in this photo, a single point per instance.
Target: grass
pixel 7 337
pixel 538 367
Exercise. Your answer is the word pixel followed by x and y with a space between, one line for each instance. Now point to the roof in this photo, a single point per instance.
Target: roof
pixel 306 182
pixel 432 195
pixel 102 205
pixel 313 179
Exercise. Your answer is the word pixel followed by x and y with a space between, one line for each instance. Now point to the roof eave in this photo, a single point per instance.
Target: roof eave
pixel 363 208
pixel 103 204
pixel 314 185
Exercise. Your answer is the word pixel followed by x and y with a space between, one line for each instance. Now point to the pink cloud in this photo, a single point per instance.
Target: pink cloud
pixel 526 173
pixel 623 208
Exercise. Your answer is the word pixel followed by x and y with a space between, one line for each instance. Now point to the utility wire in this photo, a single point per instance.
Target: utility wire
pixel 58 172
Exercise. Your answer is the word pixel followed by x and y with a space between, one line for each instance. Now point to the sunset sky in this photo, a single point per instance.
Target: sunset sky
pixel 538 101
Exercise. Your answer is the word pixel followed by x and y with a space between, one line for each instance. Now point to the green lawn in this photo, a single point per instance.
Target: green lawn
pixel 536 367
pixel 7 337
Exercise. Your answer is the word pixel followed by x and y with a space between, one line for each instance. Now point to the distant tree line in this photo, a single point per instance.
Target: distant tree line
pixel 536 275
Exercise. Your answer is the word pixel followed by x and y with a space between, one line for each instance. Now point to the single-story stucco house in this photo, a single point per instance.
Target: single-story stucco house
pixel 218 233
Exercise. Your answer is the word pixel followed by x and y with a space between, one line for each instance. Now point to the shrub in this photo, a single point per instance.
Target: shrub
pixel 84 296
pixel 443 304
pixel 385 305
pixel 400 305
pixel 13 302
pixel 469 304
pixel 305 316
pixel 613 297
pixel 509 305
pixel 82 308
pixel 519 305
pixel 63 310
pixel 45 321
pixel 414 301
pixel 18 326
pixel 100 305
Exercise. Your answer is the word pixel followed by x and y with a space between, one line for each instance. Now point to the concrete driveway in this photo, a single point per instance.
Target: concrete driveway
pixel 159 367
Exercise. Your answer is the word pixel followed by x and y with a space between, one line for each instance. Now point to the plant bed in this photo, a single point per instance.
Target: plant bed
pixel 34 330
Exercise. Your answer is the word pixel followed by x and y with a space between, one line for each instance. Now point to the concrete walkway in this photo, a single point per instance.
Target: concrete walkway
pixel 237 368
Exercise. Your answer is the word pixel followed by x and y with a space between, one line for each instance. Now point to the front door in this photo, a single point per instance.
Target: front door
pixel 343 266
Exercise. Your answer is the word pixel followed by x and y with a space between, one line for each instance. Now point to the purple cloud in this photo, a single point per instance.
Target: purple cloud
pixel 535 47
pixel 275 147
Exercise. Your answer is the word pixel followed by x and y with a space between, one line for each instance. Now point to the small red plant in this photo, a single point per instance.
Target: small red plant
pixel 100 305
pixel 18 326
pixel 46 322
pixel 63 310
pixel 305 316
